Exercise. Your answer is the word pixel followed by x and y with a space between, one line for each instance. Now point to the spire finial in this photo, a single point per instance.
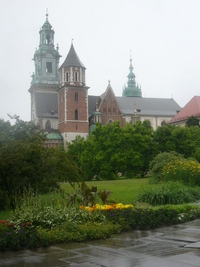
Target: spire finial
pixel 47 14
pixel 108 82
pixel 72 41
pixel 131 66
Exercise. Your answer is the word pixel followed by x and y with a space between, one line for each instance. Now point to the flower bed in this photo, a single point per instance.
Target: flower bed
pixel 99 207
pixel 87 223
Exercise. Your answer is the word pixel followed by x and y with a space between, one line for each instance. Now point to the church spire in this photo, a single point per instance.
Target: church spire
pixel 132 89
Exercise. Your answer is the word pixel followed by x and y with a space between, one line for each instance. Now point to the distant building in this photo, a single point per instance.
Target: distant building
pixel 60 102
pixel 192 108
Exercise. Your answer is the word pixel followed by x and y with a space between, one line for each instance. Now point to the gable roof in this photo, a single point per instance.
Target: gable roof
pixel 72 59
pixel 149 106
pixel 105 94
pixel 192 108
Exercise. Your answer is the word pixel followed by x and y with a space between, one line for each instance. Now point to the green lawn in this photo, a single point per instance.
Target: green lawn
pixel 124 190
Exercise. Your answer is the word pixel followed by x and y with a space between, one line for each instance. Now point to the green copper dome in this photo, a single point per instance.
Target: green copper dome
pixel 132 90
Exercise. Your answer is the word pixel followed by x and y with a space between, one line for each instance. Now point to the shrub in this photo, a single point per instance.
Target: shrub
pixel 49 217
pixel 160 161
pixel 186 171
pixel 77 232
pixel 15 237
pixel 169 193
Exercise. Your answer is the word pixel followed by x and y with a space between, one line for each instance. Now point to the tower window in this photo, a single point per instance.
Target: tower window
pixel 49 67
pixel 67 76
pixel 76 76
pixel 76 97
pixel 48 125
pixel 76 114
pixel 48 39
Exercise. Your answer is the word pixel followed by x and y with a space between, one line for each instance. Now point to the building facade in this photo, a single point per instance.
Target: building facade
pixel 60 102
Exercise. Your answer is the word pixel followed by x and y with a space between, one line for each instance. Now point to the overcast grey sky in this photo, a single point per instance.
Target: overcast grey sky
pixel 163 36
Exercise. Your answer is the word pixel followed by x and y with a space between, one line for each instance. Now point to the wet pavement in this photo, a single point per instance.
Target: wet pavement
pixel 173 246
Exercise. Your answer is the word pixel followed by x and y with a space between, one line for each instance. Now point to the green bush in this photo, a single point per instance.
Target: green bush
pixel 169 193
pixel 77 232
pixel 160 161
pixel 184 170
pixel 15 237
pixel 153 217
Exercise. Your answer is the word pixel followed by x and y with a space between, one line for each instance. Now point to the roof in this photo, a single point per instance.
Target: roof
pixel 46 104
pixel 72 59
pixel 192 108
pixel 92 103
pixel 54 136
pixel 144 106
pixel 149 106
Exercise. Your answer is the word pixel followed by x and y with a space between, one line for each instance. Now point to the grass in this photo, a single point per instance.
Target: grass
pixel 125 190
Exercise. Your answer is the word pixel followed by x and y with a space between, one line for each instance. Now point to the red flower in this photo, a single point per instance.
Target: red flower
pixel 11 225
pixel 3 221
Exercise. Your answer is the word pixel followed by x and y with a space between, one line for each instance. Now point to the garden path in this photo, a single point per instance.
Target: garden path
pixel 172 246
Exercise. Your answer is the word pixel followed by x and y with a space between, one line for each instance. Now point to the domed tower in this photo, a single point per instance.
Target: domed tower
pixel 73 98
pixel 45 80
pixel 132 89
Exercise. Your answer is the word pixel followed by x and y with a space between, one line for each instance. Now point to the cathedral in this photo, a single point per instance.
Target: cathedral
pixel 61 105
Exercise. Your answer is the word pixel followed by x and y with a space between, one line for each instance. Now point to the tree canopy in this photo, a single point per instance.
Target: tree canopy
pixel 26 162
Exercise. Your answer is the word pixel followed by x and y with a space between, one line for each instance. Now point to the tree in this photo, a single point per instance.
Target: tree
pixel 192 121
pixel 26 162
pixel 111 149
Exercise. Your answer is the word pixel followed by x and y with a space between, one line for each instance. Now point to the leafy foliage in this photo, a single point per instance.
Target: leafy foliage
pixel 170 193
pixel 26 162
pixel 182 140
pixel 111 149
pixel 184 170
pixel 192 121
pixel 86 196
pixel 160 161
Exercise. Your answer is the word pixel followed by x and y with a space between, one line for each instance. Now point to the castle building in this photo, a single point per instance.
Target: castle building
pixel 60 103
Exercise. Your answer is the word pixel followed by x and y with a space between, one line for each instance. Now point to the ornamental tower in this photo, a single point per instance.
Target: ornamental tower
pixel 132 89
pixel 73 98
pixel 45 80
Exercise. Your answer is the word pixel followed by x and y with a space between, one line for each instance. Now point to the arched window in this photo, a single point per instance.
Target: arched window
pixel 76 76
pixel 48 125
pixel 76 97
pixel 76 114
pixel 110 121
pixel 67 76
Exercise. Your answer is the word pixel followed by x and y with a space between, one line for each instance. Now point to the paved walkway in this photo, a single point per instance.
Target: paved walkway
pixel 174 246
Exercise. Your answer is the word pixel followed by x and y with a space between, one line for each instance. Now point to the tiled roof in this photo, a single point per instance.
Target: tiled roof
pixel 72 59
pixel 192 108
pixel 144 106
pixel 149 106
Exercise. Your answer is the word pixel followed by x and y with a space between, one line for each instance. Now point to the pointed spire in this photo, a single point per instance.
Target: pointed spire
pixel 132 88
pixel 72 58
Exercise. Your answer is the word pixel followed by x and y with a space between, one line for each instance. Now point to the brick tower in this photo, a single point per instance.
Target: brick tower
pixel 72 98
